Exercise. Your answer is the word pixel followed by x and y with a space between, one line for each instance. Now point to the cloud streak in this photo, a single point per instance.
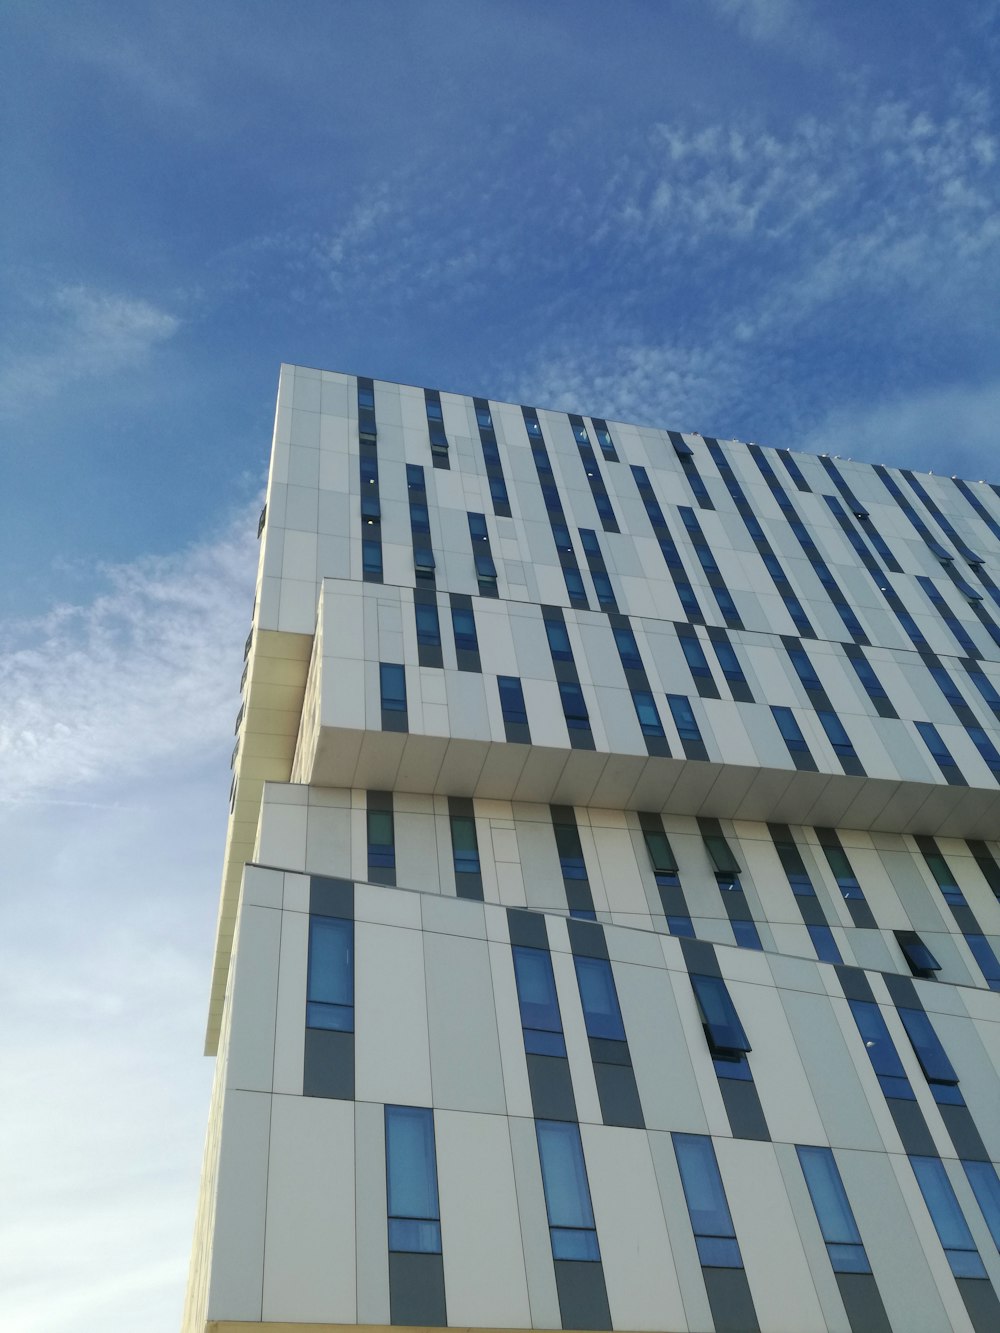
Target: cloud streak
pixel 80 333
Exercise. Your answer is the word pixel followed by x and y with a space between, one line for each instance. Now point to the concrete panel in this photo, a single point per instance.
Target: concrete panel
pixel 481 1239
pixel 254 1000
pixel 661 1060
pixel 309 1263
pixel 236 1280
pixel 392 1057
pixel 465 1054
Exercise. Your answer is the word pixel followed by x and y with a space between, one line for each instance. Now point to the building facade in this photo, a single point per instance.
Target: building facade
pixel 610 917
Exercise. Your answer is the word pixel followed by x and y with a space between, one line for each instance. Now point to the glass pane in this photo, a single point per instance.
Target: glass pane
pixel 927 1045
pixel 660 852
pixel 599 998
pixel 410 1168
pixel 706 1199
pixel 725 1032
pixel 333 1017
pixel 564 1176
pixel 628 649
pixel 942 1205
pixel 537 1042
pixel 986 1187
pixel 409 1236
pixel 826 1190
pixel 393 684
pixel 875 1034
pixel 380 828
pixel 849 1259
pixel 536 989
pixel 718 1252
pixel 331 960
pixel 746 935
pixel 824 944
pixel 574 1244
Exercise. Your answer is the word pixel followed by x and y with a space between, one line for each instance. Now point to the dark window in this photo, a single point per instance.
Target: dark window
pixel 536 996
pixel 919 958
pixel 559 645
pixel 512 700
pixel 835 732
pixel 949 1223
pixel 938 1069
pixel 392 682
pixel 330 991
pixel 567 1194
pixel 628 649
pixel 661 854
pixel 723 1029
pixel 842 872
pixel 986 1187
pixel 705 1196
pixel 804 669
pixel 570 851
pixel 463 623
pixel 695 657
pixel 883 1055
pixel 428 629
pixel 574 708
pixel 745 933
pixel 599 998
pixel 824 944
pixel 381 840
pixel 791 733
pixel 684 719
pixel 833 1211
pixel 411 1181
pixel 464 845
pixel 649 718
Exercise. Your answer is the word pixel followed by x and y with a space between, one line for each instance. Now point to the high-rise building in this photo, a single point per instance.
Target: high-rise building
pixel 610 914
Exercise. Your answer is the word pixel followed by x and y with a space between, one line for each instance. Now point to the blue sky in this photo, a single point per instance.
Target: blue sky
pixel 756 218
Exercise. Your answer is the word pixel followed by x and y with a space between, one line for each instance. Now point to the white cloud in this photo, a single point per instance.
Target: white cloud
pixel 147 671
pixel 80 333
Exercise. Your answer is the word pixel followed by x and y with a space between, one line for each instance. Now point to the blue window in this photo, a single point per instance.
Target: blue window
pixel 983 953
pixel 687 598
pixel 681 925
pixel 695 657
pixel 824 944
pixel 330 990
pixel 371 510
pixel 649 718
pixel 986 1187
pixel 628 649
pixel 392 683
pixel 804 669
pixel 723 1029
pixel 938 1069
pixel 708 1209
pixel 986 688
pixel 498 494
pixel 986 748
pixel 746 935
pixel 605 511
pixel 599 998
pixel 794 867
pixel 574 708
pixel 866 674
pixel 419 518
pixel 366 393
pixel 951 1227
pixel 381 840
pixel 371 558
pixel 574 585
pixel 478 530
pixel 791 733
pixel 684 719
pixel 463 622
pixel 428 628
pixel 486 570
pixel 728 660
pixel 560 533
pixel 483 417
pixel 415 478
pixel 940 753
pixel 536 996
pixel 602 586
pixel 846 880
pixel 919 958
pixel 833 1211
pixel 464 845
pixel 835 732
pixel 559 645
pixel 883 1055
pixel 567 1194
pixel 423 563
pixel 411 1181
pixel 939 868
pixel 512 700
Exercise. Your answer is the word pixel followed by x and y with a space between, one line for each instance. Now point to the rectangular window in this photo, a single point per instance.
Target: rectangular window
pixel 723 1029
pixel 804 669
pixel 428 629
pixel 411 1181
pixel 661 854
pixel 919 958
pixel 330 989
pixel 371 560
pixel 573 706
pixel 792 864
pixel 381 840
pixel 835 732
pixel 628 649
pixel 833 1211
pixel 570 850
pixel 512 701
pixel 986 1187
pixel 649 718
pixel 705 1196
pixel 949 1223
pixel 883 1055
pixel 464 845
pixel 463 623
pixel 599 998
pixel 574 586
pixel 392 683
pixel 559 644
pixel 745 934
pixel 926 1043
pixel 791 734
pixel 541 1022
pixel 684 719
pixel 567 1193
pixel 695 657
pixel 824 944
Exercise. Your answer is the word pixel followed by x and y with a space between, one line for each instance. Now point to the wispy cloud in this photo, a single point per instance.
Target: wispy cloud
pixel 145 672
pixel 77 333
